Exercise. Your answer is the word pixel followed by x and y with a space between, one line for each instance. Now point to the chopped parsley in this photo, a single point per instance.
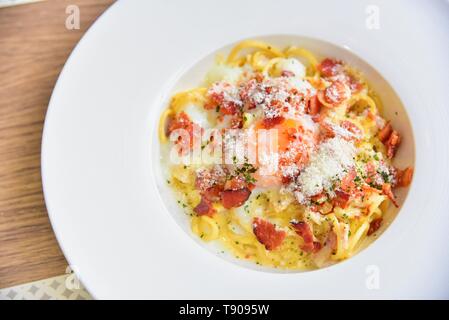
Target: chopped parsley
pixel 246 171
pixel 385 176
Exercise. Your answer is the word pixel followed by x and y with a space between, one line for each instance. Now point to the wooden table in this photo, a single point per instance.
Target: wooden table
pixel 34 45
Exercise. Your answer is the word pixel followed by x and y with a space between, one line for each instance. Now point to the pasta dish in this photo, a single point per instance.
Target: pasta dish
pixel 281 158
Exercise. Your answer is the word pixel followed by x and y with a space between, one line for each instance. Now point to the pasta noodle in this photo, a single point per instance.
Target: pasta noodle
pixel 252 44
pixel 301 52
pixel 327 199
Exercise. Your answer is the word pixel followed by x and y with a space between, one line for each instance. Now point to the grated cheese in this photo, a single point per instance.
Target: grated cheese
pixel 206 178
pixel 339 131
pixel 230 92
pixel 328 164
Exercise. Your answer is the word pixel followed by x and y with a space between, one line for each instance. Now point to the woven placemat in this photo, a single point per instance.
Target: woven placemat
pixel 64 287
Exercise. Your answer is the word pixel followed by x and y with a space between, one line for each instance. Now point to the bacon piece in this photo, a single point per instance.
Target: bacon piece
pixel 319 198
pixel 208 178
pixel 346 130
pixel 329 67
pixel 336 93
pixel 204 208
pixel 385 133
pixel 222 95
pixel 234 198
pixel 229 109
pixel 214 100
pixel 267 234
pixel 237 121
pixel 390 138
pixel 247 91
pixel 287 179
pixel 351 127
pixel 327 130
pixel 341 200
pixel 374 226
pixel 370 172
pixel 311 247
pixel 354 85
pixel 269 123
pixel 404 177
pixel 313 106
pixel 235 183
pixel 347 183
pixel 392 144
pixel 386 190
pixel 181 121
pixel 213 193
pixel 319 202
pixel 304 231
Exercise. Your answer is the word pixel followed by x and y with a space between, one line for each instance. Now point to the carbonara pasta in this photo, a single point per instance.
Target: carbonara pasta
pixel 283 159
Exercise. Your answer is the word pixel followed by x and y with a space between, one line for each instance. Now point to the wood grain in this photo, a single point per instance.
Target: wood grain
pixel 34 45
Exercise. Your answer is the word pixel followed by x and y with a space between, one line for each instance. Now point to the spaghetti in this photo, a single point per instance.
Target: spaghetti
pixel 335 177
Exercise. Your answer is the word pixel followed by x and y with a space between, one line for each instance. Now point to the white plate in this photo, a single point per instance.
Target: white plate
pixel 98 154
